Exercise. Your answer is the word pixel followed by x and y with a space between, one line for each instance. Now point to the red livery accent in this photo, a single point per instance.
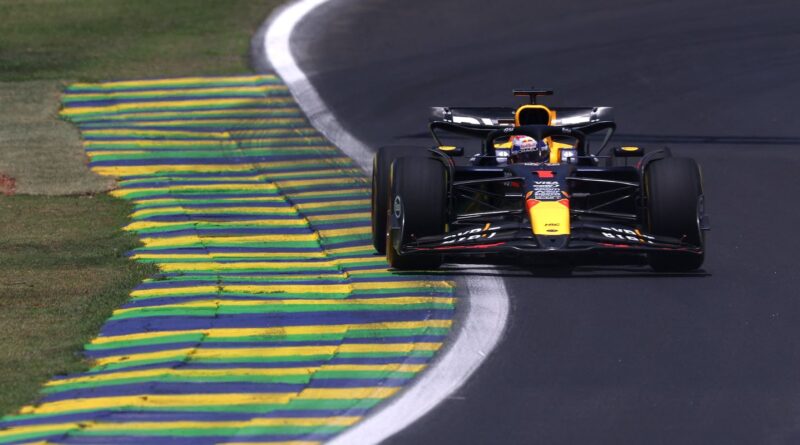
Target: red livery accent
pixel 529 203
pixel 621 246
pixel 476 246
pixel 545 174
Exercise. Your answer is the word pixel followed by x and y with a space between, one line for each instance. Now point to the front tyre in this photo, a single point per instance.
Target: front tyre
pixel 419 201
pixel 381 165
pixel 674 193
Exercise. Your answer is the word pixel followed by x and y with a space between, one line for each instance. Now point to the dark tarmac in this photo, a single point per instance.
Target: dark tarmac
pixel 616 354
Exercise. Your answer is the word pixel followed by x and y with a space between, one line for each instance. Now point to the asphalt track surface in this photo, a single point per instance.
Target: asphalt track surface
pixel 611 354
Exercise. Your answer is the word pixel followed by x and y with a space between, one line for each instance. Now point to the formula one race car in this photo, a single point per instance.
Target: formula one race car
pixel 535 189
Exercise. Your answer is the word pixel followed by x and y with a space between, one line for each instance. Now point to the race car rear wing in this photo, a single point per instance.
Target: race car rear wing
pixel 503 117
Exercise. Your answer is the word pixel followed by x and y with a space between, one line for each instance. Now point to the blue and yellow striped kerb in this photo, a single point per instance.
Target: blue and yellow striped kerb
pixel 272 319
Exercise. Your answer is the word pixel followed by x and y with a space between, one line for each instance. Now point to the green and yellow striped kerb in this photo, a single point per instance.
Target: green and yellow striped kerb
pixel 272 319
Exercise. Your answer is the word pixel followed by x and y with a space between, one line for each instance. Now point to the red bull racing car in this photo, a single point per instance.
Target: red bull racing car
pixel 535 188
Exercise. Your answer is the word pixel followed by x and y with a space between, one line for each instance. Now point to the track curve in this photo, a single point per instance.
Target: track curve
pixel 611 355
pixel 484 303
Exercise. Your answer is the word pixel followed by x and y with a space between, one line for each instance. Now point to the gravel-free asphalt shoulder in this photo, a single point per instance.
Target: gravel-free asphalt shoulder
pixel 616 354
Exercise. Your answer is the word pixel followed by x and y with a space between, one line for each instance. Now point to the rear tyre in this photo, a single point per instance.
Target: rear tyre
pixel 381 165
pixel 674 199
pixel 419 199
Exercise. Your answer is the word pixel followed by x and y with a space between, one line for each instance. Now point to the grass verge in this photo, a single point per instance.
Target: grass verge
pixel 42 153
pixel 62 269
pixel 96 40
pixel 61 274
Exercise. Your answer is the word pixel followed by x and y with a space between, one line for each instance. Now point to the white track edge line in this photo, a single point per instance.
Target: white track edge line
pixel 277 50
pixel 487 308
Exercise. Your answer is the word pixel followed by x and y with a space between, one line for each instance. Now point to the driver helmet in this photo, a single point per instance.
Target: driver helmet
pixel 528 149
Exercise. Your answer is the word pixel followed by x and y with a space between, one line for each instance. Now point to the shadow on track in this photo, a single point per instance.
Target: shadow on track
pixel 575 272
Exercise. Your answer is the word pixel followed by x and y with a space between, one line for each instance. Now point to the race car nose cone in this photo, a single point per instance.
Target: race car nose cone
pixel 549 217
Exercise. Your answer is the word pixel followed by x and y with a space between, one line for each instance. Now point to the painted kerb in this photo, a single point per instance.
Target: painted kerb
pixel 272 319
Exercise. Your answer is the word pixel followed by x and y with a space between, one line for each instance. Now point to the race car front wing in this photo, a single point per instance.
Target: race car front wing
pixel 516 238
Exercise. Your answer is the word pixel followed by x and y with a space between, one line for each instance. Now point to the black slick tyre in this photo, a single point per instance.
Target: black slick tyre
pixel 674 198
pixel 381 165
pixel 419 199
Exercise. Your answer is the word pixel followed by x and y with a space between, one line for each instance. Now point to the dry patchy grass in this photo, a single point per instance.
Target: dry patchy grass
pixel 61 275
pixel 42 153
